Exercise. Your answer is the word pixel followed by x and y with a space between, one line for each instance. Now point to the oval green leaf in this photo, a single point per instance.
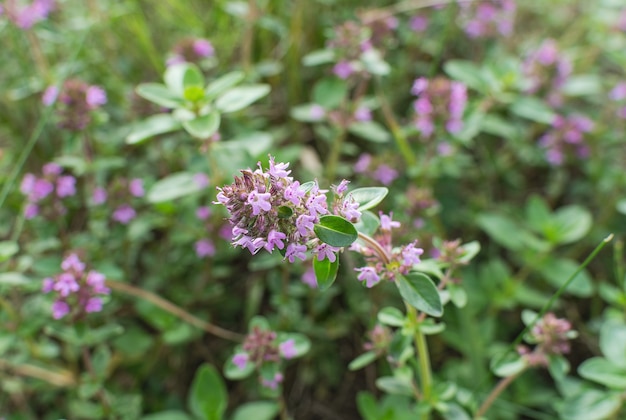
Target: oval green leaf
pixel 391 316
pixel 208 397
pixel 419 291
pixel 152 126
pixel 173 186
pixel 223 83
pixel 335 231
pixel 159 94
pixel 362 360
pixel 204 126
pixel 240 97
pixel 367 197
pixel 602 371
pixel 325 272
pixel 259 410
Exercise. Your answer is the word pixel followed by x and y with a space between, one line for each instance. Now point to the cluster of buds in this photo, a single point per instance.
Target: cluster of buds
pixel 378 171
pixel 26 16
pixel 51 185
pixel 567 133
pixel 75 102
pixel 552 336
pixel 488 18
pixel 191 50
pixel 440 102
pixel 380 339
pixel 269 210
pixel 77 290
pixel 261 347
pixel 124 212
pixel 383 260
pixel 547 71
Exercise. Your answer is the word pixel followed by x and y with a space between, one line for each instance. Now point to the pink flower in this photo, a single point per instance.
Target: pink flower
pixel 124 214
pixel 60 309
pixel 93 304
pixel 259 202
pixel 241 360
pixel 99 196
pixel 135 187
pixel 72 262
pixel 50 95
pixel 201 180
pixel 386 223
pixel 66 186
pixel 294 251
pixel 368 275
pixel 275 239
pixel 203 48
pixel 203 212
pixel 95 97
pixel 288 349
pixel 326 251
pixel 343 69
pixel 204 248
pixel 385 174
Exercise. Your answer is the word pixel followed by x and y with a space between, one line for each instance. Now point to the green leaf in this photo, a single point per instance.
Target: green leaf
pixel 371 131
pixel 13 278
pixel 507 364
pixel 223 83
pixel 285 212
pixel 305 113
pixel 613 342
pixel 362 360
pixel 391 316
pixel 538 214
pixel 582 85
pixel 374 63
pixel 367 197
pixel 591 404
pixel 466 72
pixel 533 109
pixel 325 272
pixel 8 249
pixel 395 386
pixel 419 291
pixel 315 58
pixel 204 126
pixel 180 76
pixel 159 94
pixel 502 230
pixel 570 223
pixel 167 415
pixel 208 397
pixel 258 410
pixel 602 371
pixel 152 126
pixel 335 231
pixel 330 92
pixel 173 186
pixel 368 224
pixel 240 97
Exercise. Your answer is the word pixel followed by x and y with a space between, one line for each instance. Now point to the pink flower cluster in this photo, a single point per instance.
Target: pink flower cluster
pixel 124 190
pixel 75 102
pixel 552 336
pixel 76 289
pixel 488 18
pixel 191 50
pixel 439 101
pixel 270 210
pixel 547 71
pixel 52 184
pixel 26 16
pixel 401 260
pixel 262 346
pixel 567 134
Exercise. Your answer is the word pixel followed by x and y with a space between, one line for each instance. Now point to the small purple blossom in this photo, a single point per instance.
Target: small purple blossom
pixel 343 69
pixel 204 248
pixel 368 275
pixel 386 222
pixel 418 23
pixel 66 186
pixel 309 278
pixel 325 251
pixel 275 239
pixel 95 97
pixel 135 187
pixel 201 180
pixel 99 196
pixel 203 213
pixel 385 174
pixel 274 382
pixel 124 214
pixel 294 251
pixel 288 349
pixel 317 112
pixel 203 48
pixel 60 309
pixel 50 95
pixel 259 202
pixel 241 360
pixel 363 114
